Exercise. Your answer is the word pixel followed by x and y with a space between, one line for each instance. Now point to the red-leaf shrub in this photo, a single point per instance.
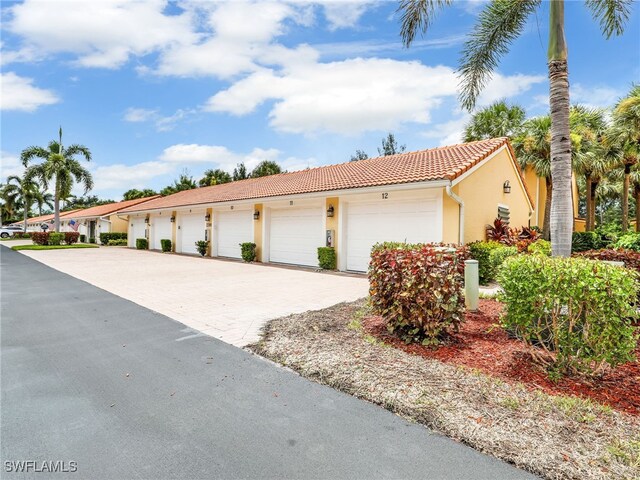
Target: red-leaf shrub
pixel 40 238
pixel 630 258
pixel 71 237
pixel 418 289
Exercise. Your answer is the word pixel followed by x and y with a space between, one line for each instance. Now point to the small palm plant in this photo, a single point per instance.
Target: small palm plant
pixel 202 246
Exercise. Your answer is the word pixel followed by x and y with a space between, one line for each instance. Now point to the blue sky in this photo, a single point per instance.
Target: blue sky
pixel 155 87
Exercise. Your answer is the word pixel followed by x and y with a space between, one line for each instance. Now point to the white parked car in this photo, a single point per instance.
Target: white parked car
pixel 10 230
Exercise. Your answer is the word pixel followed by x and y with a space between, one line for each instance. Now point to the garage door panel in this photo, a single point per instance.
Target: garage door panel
pixel 412 221
pixel 192 229
pixel 295 235
pixel 161 229
pixel 137 230
pixel 234 228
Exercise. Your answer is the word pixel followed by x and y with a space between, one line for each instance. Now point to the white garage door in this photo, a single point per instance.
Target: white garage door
pixel 234 228
pixel 192 227
pixel 412 221
pixel 160 230
pixel 136 231
pixel 295 235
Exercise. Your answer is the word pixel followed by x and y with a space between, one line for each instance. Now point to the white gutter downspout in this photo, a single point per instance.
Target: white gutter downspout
pixel 460 203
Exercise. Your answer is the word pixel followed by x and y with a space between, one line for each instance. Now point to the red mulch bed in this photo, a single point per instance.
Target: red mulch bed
pixel 481 344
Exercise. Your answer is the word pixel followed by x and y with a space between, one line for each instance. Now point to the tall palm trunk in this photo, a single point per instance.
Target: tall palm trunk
pixel 546 230
pixel 625 199
pixel 26 214
pixel 588 225
pixel 56 208
pixel 561 205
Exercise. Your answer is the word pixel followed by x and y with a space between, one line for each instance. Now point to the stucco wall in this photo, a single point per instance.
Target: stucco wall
pixel 118 224
pixel 257 231
pixel 482 192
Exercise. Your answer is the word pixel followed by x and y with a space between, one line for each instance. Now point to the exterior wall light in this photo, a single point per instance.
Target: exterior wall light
pixel 172 219
pixel 146 220
pixel 256 215
pixel 330 211
pixel 207 217
pixel 506 187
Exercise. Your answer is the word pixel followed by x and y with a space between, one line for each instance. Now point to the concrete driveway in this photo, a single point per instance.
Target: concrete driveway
pixel 225 299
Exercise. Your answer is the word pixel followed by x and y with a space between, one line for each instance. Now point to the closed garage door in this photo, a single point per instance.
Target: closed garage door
pixel 295 235
pixel 410 221
pixel 137 230
pixel 234 228
pixel 192 227
pixel 160 229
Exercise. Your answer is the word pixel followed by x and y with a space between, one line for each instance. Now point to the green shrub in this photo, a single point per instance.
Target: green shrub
pixel 56 238
pixel 92 239
pixel 582 241
pixel 497 257
pixel 165 244
pixel 105 237
pixel 202 246
pixel 540 247
pixel 629 241
pixel 83 238
pixel 142 243
pixel 481 251
pixel 418 290
pixel 117 243
pixel 576 315
pixel 40 238
pixel 248 251
pixel 71 237
pixel 327 258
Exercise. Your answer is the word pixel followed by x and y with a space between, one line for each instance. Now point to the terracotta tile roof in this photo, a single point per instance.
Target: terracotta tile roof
pixel 444 163
pixel 111 208
pixel 45 218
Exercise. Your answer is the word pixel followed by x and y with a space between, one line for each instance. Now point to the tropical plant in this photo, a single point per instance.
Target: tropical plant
pixel 23 190
pixel 44 199
pixel 240 172
pixel 499 24
pixel 214 177
pixel 59 169
pixel 266 168
pixel 183 182
pixel 202 246
pixel 248 251
pixel 359 155
pixel 497 120
pixel 390 146
pixel 134 193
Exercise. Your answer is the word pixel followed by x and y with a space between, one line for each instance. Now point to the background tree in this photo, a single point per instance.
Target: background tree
pixel 59 169
pixel 266 168
pixel 85 201
pixel 184 182
pixel 500 22
pixel 8 207
pixel 359 155
pixel 497 120
pixel 24 190
pixel 390 146
pixel 134 194
pixel 214 177
pixel 240 172
pixel 44 199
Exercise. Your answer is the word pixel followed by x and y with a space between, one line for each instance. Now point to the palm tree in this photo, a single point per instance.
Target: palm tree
pixel 8 204
pixel 60 168
pixel 214 177
pixel 499 24
pixel 626 130
pixel 497 120
pixel 533 147
pixel 44 199
pixel 24 190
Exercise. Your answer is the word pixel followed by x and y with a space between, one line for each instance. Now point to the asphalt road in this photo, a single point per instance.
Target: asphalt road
pixel 123 392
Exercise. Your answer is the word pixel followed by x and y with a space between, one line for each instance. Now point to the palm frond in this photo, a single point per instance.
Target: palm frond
pixel 418 15
pixel 499 24
pixel 612 15
pixel 31 153
pixel 75 149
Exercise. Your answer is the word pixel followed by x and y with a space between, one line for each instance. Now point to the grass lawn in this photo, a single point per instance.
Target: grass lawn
pixel 53 247
pixel 551 434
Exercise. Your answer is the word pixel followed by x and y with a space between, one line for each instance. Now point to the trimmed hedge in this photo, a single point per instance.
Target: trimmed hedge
pixel 575 315
pixel 71 237
pixel 105 237
pixel 540 247
pixel 92 239
pixel 117 243
pixel 55 238
pixel 629 241
pixel 481 251
pixel 40 238
pixel 202 246
pixel 165 244
pixel 248 251
pixel 83 238
pixel 142 243
pixel 327 258
pixel 418 289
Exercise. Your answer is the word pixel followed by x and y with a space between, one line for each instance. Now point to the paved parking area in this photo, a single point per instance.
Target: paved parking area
pixel 225 299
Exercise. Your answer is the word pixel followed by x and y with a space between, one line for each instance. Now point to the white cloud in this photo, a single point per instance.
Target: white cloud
pixel 19 93
pixel 215 156
pixel 344 14
pixel 136 115
pixel 500 87
pixel 162 123
pixel 124 177
pixel 9 165
pixel 449 133
pixel 595 97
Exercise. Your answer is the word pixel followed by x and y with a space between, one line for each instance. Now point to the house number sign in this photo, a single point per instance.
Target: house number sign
pixel 385 196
